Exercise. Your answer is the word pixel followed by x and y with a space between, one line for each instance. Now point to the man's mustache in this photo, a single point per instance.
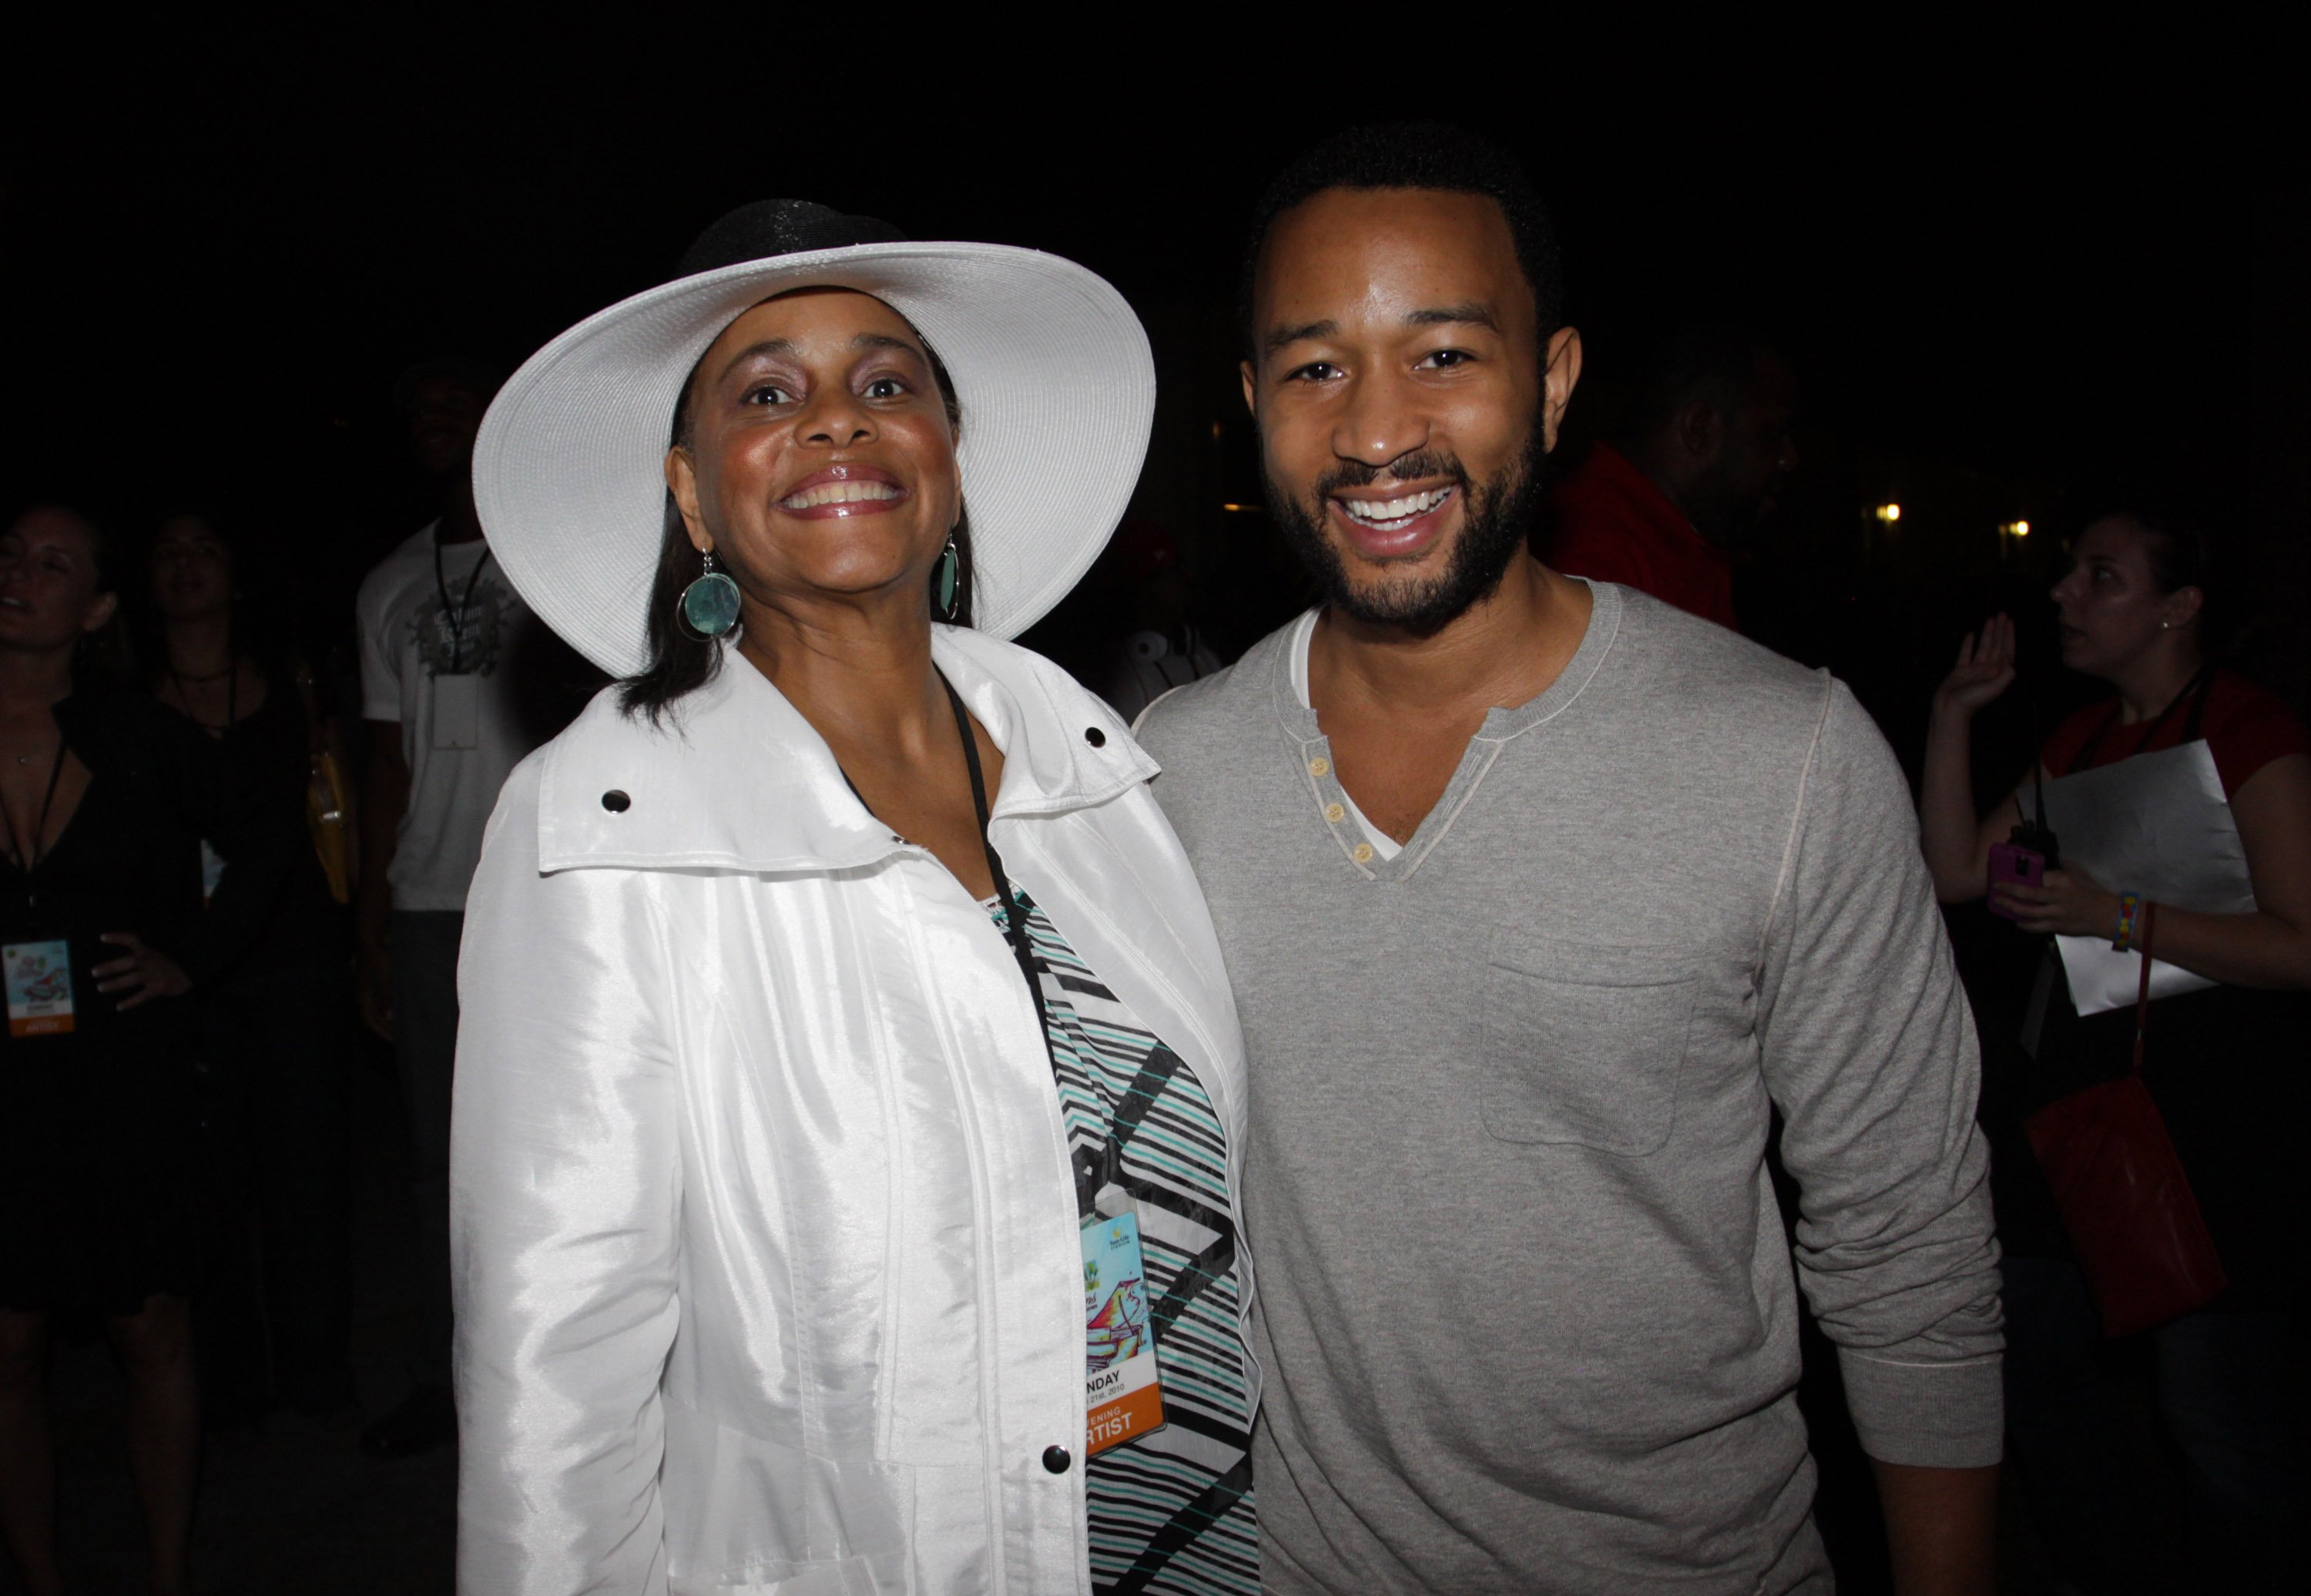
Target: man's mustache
pixel 1406 467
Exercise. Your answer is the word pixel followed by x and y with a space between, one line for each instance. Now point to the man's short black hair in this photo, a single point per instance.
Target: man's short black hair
pixel 1720 361
pixel 1417 155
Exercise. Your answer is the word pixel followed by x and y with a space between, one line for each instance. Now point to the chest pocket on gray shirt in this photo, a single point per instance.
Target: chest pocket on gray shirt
pixel 1584 1045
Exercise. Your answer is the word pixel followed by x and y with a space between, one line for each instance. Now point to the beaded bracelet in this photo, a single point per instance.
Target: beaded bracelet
pixel 2129 908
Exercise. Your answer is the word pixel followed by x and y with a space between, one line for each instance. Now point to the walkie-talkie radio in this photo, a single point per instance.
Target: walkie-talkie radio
pixel 2030 849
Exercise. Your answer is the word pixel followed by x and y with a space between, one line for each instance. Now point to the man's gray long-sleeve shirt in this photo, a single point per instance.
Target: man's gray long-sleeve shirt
pixel 1527 1313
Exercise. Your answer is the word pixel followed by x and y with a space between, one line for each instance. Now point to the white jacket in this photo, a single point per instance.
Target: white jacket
pixel 767 1269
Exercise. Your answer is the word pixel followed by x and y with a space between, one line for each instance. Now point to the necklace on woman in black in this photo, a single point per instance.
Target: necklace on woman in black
pixel 230 675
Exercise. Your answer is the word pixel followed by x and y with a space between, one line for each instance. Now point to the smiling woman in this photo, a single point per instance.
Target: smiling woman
pixel 837 1002
pixel 754 375
pixel 105 797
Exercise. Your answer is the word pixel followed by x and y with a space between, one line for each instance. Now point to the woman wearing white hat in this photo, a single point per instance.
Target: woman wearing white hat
pixel 849 1092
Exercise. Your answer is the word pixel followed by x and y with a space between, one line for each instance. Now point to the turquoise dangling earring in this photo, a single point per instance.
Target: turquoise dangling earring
pixel 943 576
pixel 710 606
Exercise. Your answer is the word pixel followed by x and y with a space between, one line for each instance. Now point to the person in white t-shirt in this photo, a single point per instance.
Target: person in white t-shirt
pixel 448 718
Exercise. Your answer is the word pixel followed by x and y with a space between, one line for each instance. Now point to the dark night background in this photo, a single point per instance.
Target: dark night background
pixel 2022 271
pixel 2013 272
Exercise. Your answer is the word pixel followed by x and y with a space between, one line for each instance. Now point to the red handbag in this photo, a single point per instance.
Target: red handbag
pixel 2125 1199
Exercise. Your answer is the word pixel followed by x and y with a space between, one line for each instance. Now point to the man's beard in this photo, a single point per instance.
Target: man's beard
pixel 1496 520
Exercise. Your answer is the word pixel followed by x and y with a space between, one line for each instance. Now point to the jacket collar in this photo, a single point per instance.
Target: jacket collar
pixel 736 778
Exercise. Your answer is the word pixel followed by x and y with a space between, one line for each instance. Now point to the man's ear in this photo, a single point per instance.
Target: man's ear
pixel 1558 381
pixel 682 482
pixel 1251 388
pixel 1699 428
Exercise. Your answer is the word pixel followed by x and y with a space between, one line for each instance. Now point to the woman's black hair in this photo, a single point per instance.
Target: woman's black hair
pixel 2176 549
pixel 2180 555
pixel 251 635
pixel 681 660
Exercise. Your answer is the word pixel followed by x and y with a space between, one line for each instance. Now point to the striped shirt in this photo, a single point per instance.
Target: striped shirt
pixel 1171 1510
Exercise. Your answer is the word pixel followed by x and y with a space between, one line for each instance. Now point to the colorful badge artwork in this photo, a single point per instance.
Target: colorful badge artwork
pixel 1122 1394
pixel 1120 1329
pixel 39 986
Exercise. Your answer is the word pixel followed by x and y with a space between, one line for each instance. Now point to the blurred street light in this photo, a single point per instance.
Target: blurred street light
pixel 1889 513
pixel 2015 528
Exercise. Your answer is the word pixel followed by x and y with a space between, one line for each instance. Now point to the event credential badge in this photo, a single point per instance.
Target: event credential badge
pixel 1123 1396
pixel 39 986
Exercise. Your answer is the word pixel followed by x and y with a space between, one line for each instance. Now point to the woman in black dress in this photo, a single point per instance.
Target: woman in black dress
pixel 105 797
pixel 277 1031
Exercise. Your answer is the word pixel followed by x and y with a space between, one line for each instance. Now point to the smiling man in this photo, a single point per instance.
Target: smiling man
pixel 1539 896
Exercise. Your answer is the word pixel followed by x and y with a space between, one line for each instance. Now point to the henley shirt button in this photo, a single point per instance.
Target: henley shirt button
pixel 616 802
pixel 1319 766
pixel 1363 853
pixel 1094 737
pixel 1335 814
pixel 1056 1460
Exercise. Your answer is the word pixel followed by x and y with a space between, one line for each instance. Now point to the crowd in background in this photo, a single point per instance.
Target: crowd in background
pixel 245 832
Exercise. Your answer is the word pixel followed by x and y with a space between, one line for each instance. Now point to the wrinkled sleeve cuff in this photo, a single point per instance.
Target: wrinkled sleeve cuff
pixel 1928 1416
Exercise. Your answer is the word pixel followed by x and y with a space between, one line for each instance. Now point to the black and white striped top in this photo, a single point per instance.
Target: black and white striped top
pixel 1173 1510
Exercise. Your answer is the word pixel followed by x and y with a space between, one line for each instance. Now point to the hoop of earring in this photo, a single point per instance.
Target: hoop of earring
pixel 943 579
pixel 710 605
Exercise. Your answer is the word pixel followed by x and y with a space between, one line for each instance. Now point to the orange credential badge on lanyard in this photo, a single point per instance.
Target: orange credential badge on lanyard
pixel 1123 1398
pixel 39 986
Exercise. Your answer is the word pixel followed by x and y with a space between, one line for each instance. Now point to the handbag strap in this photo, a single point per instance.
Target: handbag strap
pixel 317 743
pixel 2142 988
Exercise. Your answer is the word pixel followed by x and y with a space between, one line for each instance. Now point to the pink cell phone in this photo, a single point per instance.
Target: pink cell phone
pixel 2011 861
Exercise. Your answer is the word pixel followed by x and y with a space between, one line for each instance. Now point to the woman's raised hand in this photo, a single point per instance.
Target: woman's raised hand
pixel 1985 669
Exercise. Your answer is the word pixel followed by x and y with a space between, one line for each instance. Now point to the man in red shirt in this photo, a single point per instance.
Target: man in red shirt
pixel 1689 476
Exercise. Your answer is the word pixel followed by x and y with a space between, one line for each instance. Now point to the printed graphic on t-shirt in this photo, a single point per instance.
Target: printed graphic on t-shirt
pixel 445 648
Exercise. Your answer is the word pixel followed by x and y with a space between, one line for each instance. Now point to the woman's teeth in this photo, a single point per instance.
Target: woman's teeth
pixel 839 492
pixel 1390 515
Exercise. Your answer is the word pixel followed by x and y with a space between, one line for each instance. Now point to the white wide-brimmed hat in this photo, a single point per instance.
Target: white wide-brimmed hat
pixel 1050 365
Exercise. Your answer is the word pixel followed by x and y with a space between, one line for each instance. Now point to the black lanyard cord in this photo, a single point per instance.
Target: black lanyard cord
pixel 1014 918
pixel 456 616
pixel 17 854
pixel 1091 1172
pixel 2194 692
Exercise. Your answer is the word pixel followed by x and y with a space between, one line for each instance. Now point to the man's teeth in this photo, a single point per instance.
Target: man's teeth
pixel 1389 514
pixel 839 492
